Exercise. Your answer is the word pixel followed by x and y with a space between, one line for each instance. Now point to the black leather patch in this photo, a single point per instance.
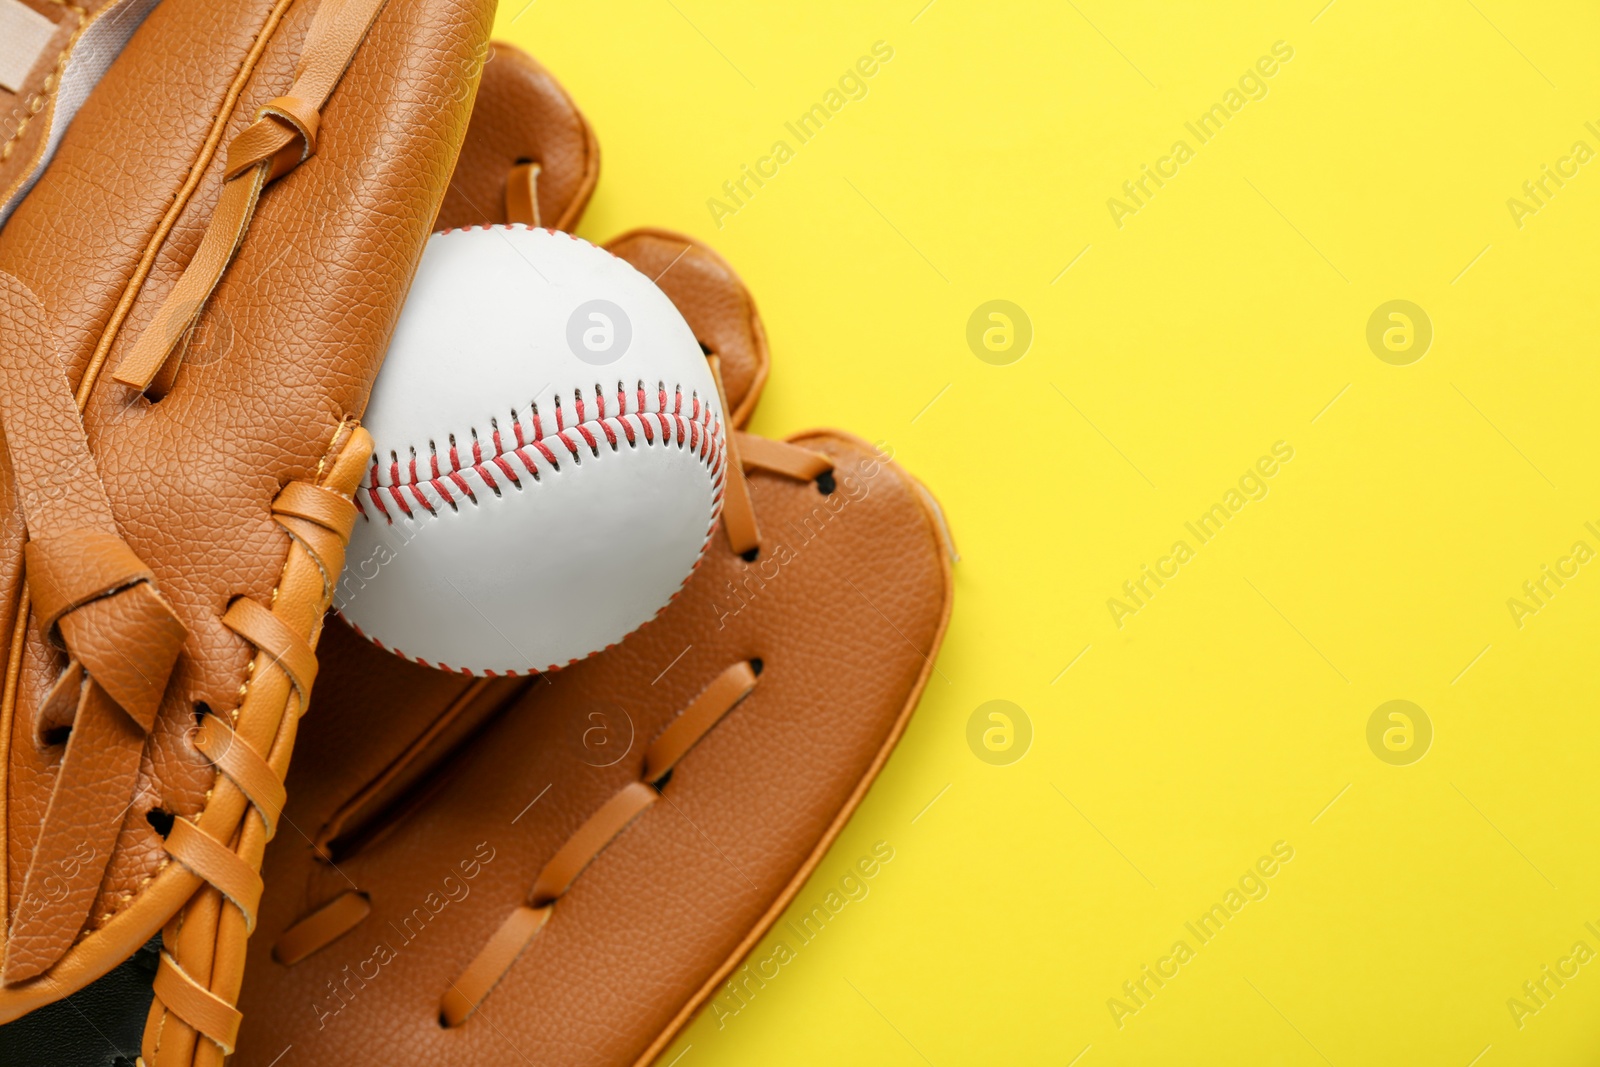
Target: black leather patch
pixel 100 1026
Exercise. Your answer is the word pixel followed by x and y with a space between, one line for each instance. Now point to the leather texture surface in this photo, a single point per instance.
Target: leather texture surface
pixel 284 356
pixel 441 811
pixel 531 500
pixel 523 115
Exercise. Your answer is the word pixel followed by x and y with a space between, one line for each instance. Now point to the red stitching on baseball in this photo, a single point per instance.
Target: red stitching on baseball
pixel 421 500
pixel 700 431
pixel 400 501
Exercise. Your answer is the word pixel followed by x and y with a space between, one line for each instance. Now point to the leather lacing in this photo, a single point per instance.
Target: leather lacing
pixel 522 193
pixel 97 602
pixel 715 701
pixel 283 135
pixel 598 831
pixel 319 521
pixel 325 924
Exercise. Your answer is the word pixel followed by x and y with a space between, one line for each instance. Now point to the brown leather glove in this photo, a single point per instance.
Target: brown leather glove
pixel 194 299
pixel 560 870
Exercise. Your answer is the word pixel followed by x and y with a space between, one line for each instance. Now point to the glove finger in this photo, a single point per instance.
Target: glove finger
pixel 716 304
pixel 522 116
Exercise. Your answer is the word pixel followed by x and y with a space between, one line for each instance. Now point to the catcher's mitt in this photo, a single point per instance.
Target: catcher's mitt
pixel 563 869
pixel 194 299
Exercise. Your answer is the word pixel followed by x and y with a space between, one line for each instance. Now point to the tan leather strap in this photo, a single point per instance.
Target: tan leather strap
pixel 322 927
pixel 196 1005
pixel 128 643
pixel 703 713
pixel 522 194
pixel 68 569
pixel 265 141
pixel 97 599
pixel 60 704
pixel 282 137
pixel 271 635
pixel 152 365
pixel 321 542
pixel 485 971
pixel 738 513
pixel 217 864
pixel 780 457
pixel 91 796
pixel 747 450
pixel 245 766
pixel 315 504
pixel 56 475
pixel 590 839
pixel 321 520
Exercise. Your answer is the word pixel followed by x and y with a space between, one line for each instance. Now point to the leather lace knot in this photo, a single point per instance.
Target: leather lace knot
pixel 284 132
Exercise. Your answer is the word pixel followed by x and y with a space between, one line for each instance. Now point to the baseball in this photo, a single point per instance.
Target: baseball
pixel 549 458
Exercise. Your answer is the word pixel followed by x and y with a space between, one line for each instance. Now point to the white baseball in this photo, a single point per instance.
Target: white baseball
pixel 549 458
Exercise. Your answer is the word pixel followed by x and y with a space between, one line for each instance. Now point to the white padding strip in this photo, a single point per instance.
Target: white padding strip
pixel 24 34
pixel 99 44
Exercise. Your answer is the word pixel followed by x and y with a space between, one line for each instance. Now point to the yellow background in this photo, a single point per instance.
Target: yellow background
pixel 1229 313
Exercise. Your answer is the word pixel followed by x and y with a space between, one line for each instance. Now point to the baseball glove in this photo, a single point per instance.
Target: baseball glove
pixel 563 869
pixel 194 300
